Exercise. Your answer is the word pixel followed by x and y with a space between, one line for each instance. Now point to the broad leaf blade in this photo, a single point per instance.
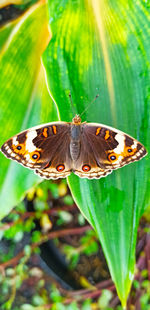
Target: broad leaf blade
pixel 102 47
pixel 24 99
pixel 5 33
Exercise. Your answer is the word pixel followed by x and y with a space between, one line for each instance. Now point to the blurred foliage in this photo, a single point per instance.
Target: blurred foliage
pixel 19 232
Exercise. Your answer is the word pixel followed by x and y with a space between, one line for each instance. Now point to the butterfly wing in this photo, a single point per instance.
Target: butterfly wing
pixel 43 148
pixel 104 149
pixel 46 149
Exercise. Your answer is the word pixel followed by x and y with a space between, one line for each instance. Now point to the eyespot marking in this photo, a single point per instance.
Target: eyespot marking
pixel 112 157
pixel 86 168
pixel 60 168
pixel 35 156
pixel 129 151
pixel 19 148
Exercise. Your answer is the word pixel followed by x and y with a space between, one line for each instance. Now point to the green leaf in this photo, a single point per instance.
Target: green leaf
pixel 24 99
pixel 103 47
pixel 5 33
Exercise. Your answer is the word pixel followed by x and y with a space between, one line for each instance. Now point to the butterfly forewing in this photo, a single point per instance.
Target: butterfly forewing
pixel 112 148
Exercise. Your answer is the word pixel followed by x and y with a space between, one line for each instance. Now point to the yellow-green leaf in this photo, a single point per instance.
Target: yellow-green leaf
pixel 103 47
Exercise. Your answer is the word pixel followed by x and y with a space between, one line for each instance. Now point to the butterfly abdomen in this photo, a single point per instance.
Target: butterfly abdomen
pixel 75 143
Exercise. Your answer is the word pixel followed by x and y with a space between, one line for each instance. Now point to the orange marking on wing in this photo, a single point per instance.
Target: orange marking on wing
pixel 34 156
pixel 107 135
pixel 54 129
pixel 47 165
pixel 45 132
pixel 19 149
pixel 98 131
pixel 128 151
pixel 112 157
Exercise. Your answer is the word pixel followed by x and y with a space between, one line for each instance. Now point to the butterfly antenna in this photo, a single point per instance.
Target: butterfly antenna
pixel 73 109
pixel 89 104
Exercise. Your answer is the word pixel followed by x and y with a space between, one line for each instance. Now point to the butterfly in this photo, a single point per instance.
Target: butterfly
pixel 90 150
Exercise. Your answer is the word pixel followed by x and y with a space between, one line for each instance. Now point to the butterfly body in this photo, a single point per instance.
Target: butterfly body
pixel 75 143
pixel 90 150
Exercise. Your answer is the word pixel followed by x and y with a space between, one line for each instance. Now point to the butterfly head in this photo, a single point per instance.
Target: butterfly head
pixel 76 120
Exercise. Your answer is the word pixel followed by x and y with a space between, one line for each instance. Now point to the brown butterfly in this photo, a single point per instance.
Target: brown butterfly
pixel 90 150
